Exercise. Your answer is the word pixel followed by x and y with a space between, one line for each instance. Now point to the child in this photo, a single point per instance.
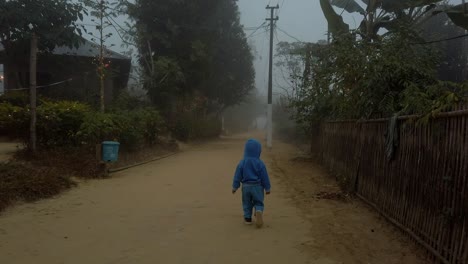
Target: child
pixel 252 173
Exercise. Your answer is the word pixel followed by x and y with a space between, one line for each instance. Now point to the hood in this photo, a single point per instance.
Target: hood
pixel 253 149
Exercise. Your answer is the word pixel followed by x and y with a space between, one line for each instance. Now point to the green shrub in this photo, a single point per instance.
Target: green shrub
pixel 125 101
pixel 131 128
pixel 59 122
pixel 20 99
pixel 14 121
pixel 182 129
pixel 65 123
pixel 207 128
pixel 190 127
pixel 98 127
pixel 152 124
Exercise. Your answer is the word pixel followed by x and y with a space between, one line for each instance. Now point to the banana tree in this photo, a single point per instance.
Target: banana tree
pixel 377 14
pixel 458 14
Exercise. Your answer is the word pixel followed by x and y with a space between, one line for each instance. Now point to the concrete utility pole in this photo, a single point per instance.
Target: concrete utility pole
pixel 272 20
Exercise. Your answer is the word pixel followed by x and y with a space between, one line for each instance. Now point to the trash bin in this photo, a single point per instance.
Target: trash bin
pixel 110 151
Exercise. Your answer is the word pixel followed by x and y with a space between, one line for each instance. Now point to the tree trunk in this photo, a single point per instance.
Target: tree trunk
pixel 32 87
pixel 102 99
pixel 101 57
pixel 371 9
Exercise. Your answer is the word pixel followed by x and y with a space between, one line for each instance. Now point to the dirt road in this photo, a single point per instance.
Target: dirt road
pixel 180 210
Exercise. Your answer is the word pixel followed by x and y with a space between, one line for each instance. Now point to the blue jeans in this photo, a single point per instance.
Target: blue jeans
pixel 252 196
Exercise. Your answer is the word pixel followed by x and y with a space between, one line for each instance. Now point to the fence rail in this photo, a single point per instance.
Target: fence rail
pixel 422 189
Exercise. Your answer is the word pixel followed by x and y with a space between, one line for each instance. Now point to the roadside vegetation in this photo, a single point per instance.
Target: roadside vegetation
pixel 181 64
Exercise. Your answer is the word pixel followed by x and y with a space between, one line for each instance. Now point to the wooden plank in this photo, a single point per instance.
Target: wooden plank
pixel 456 227
pixel 463 195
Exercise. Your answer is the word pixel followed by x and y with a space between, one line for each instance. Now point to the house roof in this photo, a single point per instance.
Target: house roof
pixel 86 49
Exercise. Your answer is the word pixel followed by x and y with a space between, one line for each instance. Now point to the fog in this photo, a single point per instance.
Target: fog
pixel 301 19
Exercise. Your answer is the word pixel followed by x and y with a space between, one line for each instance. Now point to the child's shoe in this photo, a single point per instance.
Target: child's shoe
pixel 248 221
pixel 259 218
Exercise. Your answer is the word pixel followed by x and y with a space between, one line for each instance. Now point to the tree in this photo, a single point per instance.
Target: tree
pixel 45 24
pixel 295 61
pixel 354 78
pixel 103 13
pixel 453 53
pixel 192 48
pixel 381 14
pixel 231 71
pixel 55 23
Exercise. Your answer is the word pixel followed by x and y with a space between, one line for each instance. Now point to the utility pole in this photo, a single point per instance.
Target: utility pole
pixel 272 20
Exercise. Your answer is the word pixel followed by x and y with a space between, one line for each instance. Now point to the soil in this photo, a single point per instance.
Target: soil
pixel 7 149
pixel 342 228
pixel 181 210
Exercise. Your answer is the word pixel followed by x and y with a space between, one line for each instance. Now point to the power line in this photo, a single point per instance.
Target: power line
pixel 282 4
pixel 260 33
pixel 259 27
pixel 289 35
pixel 276 35
pixel 281 7
pixel 441 40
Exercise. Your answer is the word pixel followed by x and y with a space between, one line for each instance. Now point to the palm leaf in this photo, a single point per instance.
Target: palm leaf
pixel 351 6
pixel 336 25
pixel 396 5
pixel 457 14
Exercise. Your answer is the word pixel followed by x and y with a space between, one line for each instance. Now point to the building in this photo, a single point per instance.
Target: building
pixel 69 73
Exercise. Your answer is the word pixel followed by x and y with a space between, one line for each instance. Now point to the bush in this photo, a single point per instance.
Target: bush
pixel 131 128
pixel 125 101
pixel 59 122
pixel 190 127
pixel 14 121
pixel 98 127
pixel 152 124
pixel 182 129
pixel 20 99
pixel 65 123
pixel 207 128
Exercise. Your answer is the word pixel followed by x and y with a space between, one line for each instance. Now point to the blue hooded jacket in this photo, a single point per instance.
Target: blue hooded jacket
pixel 251 170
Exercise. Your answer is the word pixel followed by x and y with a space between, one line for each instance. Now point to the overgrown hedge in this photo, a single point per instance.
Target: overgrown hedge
pixel 131 128
pixel 189 127
pixel 73 124
pixel 65 123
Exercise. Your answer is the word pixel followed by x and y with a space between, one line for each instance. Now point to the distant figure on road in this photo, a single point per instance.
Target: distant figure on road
pixel 252 174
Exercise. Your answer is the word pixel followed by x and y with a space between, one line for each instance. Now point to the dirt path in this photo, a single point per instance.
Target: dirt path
pixel 180 210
